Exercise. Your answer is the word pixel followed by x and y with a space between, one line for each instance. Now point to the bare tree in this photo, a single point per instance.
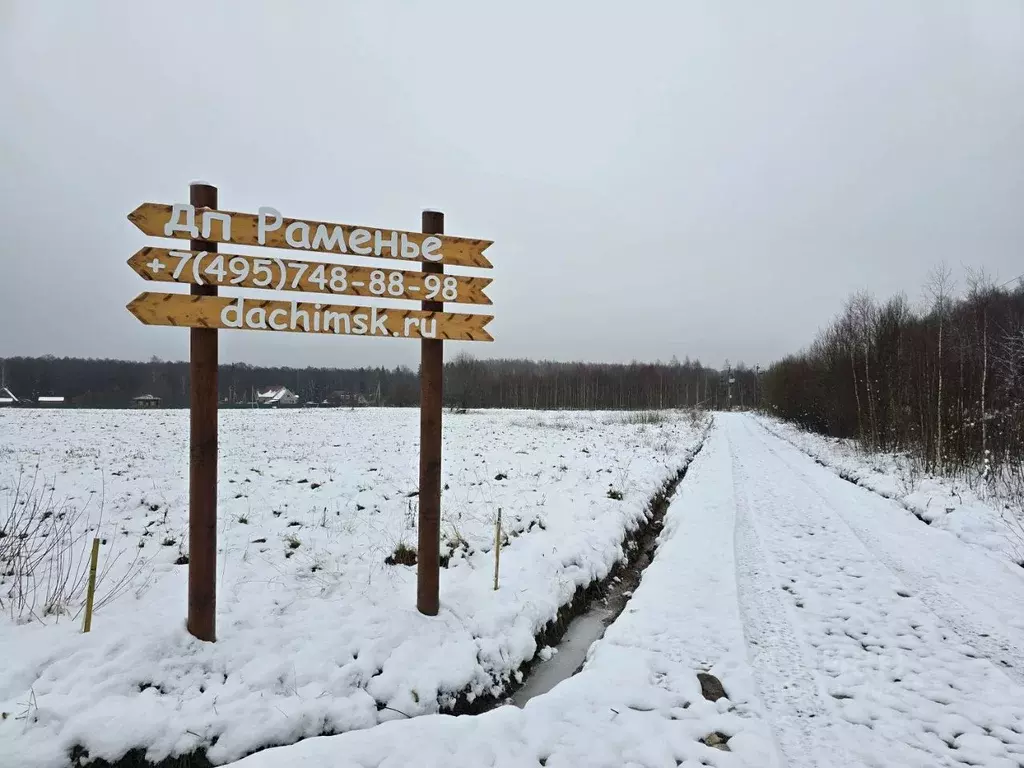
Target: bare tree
pixel 981 291
pixel 939 288
pixel 859 321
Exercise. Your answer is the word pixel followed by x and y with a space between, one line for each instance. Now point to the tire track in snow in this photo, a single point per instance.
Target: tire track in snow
pixel 988 640
pixel 803 723
pixel 910 697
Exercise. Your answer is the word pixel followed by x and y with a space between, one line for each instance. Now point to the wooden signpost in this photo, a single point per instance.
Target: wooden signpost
pixel 202 310
pixel 270 229
pixel 202 465
pixel 277 274
pixel 258 314
pixel 428 548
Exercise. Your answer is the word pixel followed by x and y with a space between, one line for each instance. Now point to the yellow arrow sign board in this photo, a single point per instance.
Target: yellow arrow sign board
pixel 272 273
pixel 269 228
pixel 305 317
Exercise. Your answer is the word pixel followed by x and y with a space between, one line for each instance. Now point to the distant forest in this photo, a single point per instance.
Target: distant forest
pixel 943 381
pixel 469 383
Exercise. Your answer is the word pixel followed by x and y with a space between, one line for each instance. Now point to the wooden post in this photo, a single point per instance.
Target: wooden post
pixel 90 595
pixel 202 488
pixel 428 564
pixel 497 547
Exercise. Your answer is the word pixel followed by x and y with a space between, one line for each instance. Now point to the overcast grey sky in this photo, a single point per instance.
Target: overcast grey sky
pixel 660 178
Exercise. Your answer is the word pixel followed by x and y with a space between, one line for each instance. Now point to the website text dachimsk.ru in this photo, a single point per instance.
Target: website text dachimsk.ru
pixel 317 318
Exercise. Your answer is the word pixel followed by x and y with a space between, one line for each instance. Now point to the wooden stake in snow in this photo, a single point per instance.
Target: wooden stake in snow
pixel 91 590
pixel 497 547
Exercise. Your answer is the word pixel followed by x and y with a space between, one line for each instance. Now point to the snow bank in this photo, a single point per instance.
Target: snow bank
pixel 315 633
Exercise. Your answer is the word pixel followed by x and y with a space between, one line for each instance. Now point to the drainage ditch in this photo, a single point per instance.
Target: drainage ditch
pixel 583 619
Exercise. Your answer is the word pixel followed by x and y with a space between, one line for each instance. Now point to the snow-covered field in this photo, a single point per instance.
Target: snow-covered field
pixel 315 632
pixel 637 701
pixel 949 504
pixel 844 631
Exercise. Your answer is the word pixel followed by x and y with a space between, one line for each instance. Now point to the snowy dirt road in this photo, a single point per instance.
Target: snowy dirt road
pixel 874 639
pixel 845 631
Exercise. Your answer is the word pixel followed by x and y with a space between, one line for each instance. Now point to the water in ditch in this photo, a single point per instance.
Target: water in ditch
pixel 571 653
pixel 588 627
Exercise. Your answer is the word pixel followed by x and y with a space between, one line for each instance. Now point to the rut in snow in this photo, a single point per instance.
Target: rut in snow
pixel 805 728
pixel 849 643
pixel 979 621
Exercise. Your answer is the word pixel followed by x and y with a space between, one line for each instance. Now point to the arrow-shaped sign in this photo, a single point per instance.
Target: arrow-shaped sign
pixel 305 317
pixel 225 269
pixel 268 228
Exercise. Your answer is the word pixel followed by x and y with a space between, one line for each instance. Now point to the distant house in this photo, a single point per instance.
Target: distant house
pixel 277 396
pixel 50 400
pixel 146 401
pixel 350 399
pixel 7 397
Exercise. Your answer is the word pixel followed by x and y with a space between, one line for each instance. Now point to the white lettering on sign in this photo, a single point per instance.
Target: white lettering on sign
pixel 174 225
pixel 379 244
pixel 369 322
pixel 410 250
pixel 431 249
pixel 183 259
pixel 264 223
pixel 448 288
pixel 274 323
pixel 356 240
pixel 333 242
pixel 297 241
pixel 384 243
pixel 248 271
pixel 225 224
pixel 256 317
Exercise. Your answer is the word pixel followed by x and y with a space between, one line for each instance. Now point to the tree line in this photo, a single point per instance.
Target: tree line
pixel 468 383
pixel 943 381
